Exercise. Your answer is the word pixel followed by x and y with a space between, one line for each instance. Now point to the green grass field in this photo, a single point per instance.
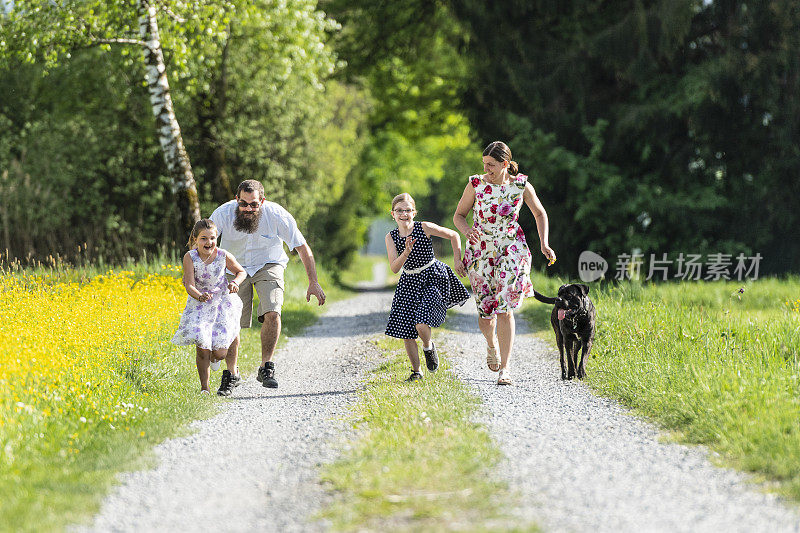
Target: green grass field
pixel 713 365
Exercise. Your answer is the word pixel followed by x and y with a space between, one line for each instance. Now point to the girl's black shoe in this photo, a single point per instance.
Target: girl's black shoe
pixel 431 359
pixel 229 381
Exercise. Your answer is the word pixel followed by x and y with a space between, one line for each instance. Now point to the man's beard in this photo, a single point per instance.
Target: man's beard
pixel 247 222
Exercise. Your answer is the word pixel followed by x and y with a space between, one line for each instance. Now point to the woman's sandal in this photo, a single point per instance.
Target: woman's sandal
pixel 503 378
pixel 492 359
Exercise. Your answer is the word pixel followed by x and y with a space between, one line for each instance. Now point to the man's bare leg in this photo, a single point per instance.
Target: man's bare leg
pixel 270 332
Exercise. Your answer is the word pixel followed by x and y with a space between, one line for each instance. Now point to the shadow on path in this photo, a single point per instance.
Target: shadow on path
pixel 304 395
pixel 362 288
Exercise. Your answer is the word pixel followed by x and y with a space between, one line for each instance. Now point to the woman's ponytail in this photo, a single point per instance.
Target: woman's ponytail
pixel 513 168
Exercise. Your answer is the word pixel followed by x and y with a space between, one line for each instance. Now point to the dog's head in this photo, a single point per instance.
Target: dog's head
pixel 572 299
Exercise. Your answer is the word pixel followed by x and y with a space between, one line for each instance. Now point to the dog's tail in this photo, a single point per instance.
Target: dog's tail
pixel 542 298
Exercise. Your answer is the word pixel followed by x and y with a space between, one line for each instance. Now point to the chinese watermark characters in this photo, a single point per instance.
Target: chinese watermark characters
pixel 694 267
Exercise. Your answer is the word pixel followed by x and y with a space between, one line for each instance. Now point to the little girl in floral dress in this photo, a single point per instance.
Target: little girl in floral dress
pixel 211 317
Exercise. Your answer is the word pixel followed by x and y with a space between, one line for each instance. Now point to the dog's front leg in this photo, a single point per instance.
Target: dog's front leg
pixel 571 347
pixel 586 349
pixel 560 344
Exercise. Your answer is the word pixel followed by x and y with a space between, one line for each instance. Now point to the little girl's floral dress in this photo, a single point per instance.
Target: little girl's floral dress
pixel 499 264
pixel 213 324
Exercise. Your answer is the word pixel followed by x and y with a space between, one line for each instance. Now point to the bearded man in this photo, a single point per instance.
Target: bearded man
pixel 254 230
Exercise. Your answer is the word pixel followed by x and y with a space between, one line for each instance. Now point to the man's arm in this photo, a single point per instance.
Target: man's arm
pixel 311 271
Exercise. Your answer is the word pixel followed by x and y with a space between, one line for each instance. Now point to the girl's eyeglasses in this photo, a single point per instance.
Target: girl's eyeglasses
pixel 403 211
pixel 254 205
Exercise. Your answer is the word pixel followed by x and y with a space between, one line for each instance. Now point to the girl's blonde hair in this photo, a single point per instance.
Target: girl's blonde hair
pixel 404 197
pixel 200 225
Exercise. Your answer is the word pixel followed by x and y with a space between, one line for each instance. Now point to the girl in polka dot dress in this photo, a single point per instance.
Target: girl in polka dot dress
pixel 427 287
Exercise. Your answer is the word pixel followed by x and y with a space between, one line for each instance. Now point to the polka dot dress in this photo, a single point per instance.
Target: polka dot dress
pixel 422 298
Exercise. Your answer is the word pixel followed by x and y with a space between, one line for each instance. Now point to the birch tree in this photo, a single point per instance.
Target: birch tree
pixel 50 30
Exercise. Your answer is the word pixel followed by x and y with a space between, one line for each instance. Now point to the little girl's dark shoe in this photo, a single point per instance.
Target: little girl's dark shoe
pixel 431 358
pixel 415 376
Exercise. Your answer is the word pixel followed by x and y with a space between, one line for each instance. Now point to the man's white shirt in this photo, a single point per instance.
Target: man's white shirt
pixel 254 250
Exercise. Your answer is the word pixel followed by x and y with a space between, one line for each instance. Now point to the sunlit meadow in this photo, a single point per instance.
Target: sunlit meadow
pixel 89 381
pixel 717 363
pixel 82 361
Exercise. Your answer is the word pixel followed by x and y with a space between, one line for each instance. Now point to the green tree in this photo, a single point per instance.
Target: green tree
pixel 339 222
pixel 83 171
pixel 256 102
pixel 268 110
pixel 407 55
pixel 41 30
pixel 682 116
pixel 259 99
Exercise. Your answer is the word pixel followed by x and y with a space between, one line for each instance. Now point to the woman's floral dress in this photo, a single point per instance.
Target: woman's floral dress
pixel 213 324
pixel 499 264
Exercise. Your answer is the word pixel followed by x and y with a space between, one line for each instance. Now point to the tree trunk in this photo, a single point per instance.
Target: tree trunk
pixel 169 132
pixel 5 189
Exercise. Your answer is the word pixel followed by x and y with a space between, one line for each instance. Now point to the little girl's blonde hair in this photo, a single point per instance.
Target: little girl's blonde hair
pixel 404 197
pixel 200 225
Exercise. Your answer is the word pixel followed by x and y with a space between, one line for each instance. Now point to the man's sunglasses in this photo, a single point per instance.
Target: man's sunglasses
pixel 254 205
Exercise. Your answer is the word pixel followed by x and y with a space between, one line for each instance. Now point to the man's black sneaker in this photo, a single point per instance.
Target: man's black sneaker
pixel 227 384
pixel 266 375
pixel 415 376
pixel 431 359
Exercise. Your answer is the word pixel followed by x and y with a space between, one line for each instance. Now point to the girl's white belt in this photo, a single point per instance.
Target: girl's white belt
pixel 420 269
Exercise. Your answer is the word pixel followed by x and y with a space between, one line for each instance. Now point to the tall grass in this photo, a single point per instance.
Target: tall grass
pixel 88 368
pixel 717 363
pixel 89 381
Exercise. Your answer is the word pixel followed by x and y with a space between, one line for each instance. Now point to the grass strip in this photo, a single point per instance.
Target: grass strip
pixel 93 383
pixel 716 366
pixel 420 461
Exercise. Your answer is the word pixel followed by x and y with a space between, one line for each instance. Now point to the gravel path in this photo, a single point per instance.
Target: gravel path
pixel 583 463
pixel 254 467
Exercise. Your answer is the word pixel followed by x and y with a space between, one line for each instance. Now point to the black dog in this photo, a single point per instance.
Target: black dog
pixel 573 320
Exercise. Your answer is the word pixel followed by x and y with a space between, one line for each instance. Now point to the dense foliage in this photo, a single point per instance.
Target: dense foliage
pixel 407 55
pixel 658 127
pixel 661 126
pixel 252 93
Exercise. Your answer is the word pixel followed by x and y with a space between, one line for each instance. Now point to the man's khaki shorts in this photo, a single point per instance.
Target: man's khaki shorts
pixel 269 286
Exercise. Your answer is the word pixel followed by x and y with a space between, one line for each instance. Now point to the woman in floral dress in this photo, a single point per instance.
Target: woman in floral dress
pixel 497 257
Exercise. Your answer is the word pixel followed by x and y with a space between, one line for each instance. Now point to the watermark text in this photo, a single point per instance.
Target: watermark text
pixel 694 267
